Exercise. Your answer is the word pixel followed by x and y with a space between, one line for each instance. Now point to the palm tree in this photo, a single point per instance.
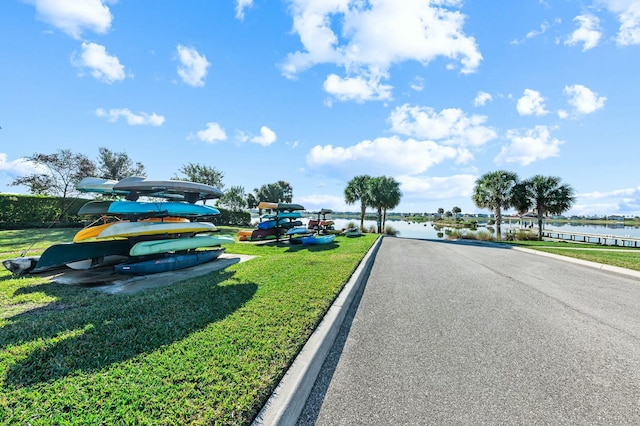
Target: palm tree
pixel 545 195
pixel 385 194
pixel 494 191
pixel 358 189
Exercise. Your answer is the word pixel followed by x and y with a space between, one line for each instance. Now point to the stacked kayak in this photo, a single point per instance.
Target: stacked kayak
pixel 169 234
pixel 283 218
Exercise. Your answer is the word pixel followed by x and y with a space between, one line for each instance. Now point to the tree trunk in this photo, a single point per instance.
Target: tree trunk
pixel 363 211
pixel 540 227
pixel 379 220
pixel 498 222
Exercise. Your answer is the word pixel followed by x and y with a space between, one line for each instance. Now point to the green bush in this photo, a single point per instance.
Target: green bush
pixel 29 211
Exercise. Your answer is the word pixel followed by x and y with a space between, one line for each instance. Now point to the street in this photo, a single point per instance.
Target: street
pixel 468 333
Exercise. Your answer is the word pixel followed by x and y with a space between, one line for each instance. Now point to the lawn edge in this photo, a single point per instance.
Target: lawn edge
pixel 290 395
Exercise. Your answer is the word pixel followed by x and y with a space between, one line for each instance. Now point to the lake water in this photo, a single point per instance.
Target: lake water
pixel 427 231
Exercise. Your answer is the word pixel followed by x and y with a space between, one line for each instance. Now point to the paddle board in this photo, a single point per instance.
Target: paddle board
pixel 144 248
pixel 170 262
pixel 135 229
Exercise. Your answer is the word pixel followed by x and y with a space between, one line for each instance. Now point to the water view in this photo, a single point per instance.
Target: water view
pixel 428 231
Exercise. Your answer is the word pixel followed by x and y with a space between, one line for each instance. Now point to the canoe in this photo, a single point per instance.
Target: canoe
pixel 95 208
pixel 289 207
pixel 282 215
pixel 170 262
pixel 97 185
pixel 245 234
pixel 353 232
pixel 135 229
pixel 279 206
pixel 97 262
pixel 190 191
pixel 318 239
pixel 298 230
pixel 268 224
pixel 144 248
pixel 59 255
pixel 169 208
pixel 267 205
pixel 91 232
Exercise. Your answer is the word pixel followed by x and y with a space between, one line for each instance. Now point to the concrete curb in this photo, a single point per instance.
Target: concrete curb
pixel 601 266
pixel 288 399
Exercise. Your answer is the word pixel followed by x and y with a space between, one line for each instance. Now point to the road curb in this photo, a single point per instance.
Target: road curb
pixel 288 399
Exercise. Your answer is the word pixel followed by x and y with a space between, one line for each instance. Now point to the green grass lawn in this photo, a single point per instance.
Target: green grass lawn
pixel 624 257
pixel 208 350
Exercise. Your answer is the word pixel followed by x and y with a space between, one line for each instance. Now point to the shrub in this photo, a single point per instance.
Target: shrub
pixel 484 235
pixel 390 230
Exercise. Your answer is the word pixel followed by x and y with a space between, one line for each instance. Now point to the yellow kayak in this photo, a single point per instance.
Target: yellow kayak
pixel 94 231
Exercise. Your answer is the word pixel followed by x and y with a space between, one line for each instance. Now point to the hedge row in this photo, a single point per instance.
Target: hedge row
pixel 35 211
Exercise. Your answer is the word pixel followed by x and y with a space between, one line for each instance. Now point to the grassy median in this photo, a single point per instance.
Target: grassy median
pixel 208 350
pixel 624 257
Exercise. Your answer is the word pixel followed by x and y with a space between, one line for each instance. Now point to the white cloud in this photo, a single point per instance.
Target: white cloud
pixel 389 156
pixel 563 114
pixel 451 125
pixel 534 33
pixel 314 202
pixel 193 66
pixel 531 103
pixel 357 88
pixel 102 66
pixel 535 144
pixel 73 17
pixel 628 13
pixel 482 98
pixel 625 192
pixel 241 5
pixel 417 84
pixel 375 35
pixel 437 188
pixel 212 133
pixel 139 119
pixel 266 138
pixel 583 99
pixel 19 167
pixel 588 32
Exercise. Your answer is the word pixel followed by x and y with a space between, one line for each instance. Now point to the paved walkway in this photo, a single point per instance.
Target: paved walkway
pixel 464 333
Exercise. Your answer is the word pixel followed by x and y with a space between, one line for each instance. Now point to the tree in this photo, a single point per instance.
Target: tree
pixel 117 165
pixel 252 203
pixel 545 195
pixel 234 199
pixel 201 173
pixel 440 211
pixel 61 172
pixel 279 192
pixel 495 191
pixel 456 210
pixel 358 189
pixel 384 194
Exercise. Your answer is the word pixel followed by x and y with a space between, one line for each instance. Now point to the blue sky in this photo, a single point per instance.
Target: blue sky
pixel 314 92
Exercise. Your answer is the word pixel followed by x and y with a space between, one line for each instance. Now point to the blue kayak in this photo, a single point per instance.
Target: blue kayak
pixel 171 262
pixel 169 208
pixel 268 224
pixel 318 239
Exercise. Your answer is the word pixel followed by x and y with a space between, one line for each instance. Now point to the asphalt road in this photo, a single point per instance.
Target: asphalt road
pixel 469 334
